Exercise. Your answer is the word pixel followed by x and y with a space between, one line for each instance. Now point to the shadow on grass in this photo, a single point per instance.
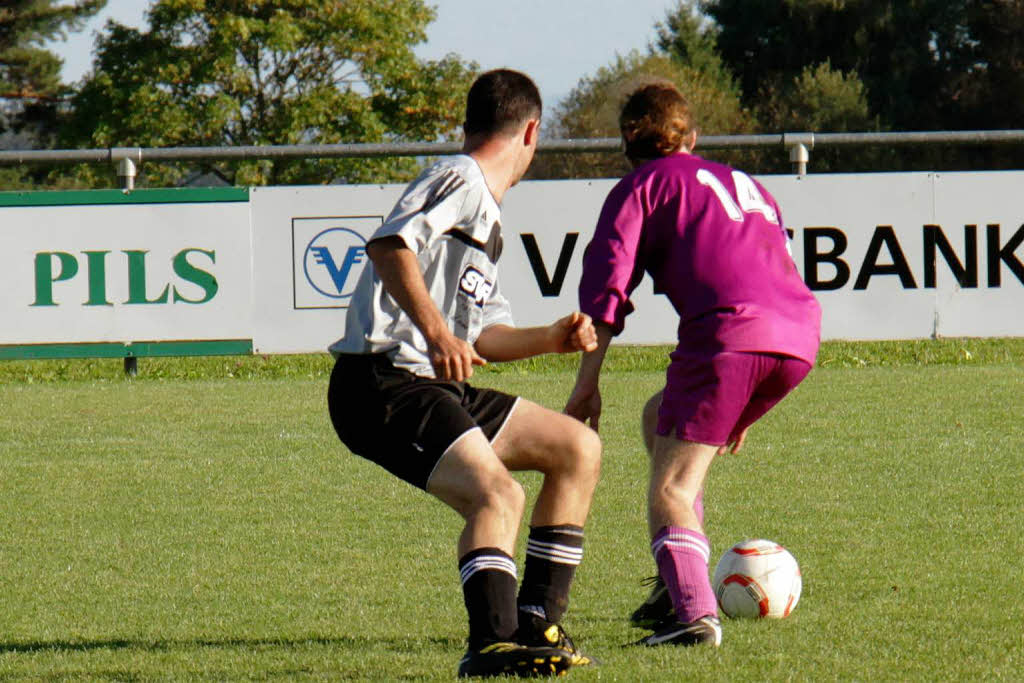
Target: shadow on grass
pixel 362 643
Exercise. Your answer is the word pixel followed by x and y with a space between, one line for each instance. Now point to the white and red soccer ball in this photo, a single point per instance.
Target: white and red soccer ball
pixel 757 579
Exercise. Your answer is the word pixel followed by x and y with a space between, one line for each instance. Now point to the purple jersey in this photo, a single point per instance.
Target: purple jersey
pixel 712 239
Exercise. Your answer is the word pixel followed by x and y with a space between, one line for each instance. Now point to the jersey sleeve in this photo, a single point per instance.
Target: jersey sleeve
pixel 612 265
pixel 497 310
pixel 427 211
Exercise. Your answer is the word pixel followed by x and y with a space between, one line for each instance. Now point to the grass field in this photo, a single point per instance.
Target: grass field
pixel 202 521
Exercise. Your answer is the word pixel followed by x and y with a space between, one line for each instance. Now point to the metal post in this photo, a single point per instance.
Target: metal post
pixel 799 156
pixel 126 171
pixel 799 146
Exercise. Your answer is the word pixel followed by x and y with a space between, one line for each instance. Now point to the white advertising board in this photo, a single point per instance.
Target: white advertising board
pixel 102 267
pixel 308 253
pixel 890 256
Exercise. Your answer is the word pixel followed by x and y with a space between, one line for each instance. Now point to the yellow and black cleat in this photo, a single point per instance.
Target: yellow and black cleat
pixel 513 659
pixel 535 631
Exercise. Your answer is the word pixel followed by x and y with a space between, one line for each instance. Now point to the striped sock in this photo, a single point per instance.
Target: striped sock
pixel 682 556
pixel 489 589
pixel 552 555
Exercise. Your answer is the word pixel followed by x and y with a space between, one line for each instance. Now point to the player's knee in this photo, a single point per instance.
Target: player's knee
pixel 585 454
pixel 506 495
pixel 675 492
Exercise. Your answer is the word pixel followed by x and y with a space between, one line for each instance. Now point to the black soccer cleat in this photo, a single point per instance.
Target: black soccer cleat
pixel 704 631
pixel 513 659
pixel 657 608
pixel 536 632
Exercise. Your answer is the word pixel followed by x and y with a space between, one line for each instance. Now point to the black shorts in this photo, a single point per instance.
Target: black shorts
pixel 404 422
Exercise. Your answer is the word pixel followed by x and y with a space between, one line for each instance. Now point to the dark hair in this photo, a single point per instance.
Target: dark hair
pixel 655 121
pixel 499 101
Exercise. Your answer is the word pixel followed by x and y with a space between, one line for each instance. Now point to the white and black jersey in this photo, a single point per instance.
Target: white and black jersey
pixel 450 220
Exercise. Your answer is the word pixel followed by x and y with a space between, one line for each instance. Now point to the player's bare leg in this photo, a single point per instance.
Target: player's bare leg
pixel 472 480
pixel 658 606
pixel 649 425
pixel 681 550
pixel 678 469
pixel 564 450
pixel 649 421
pixel 568 454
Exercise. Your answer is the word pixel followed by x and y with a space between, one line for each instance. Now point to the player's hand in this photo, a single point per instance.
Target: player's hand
pixel 736 446
pixel 574 332
pixel 453 358
pixel 585 404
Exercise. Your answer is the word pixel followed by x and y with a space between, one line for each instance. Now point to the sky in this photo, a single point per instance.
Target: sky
pixel 557 42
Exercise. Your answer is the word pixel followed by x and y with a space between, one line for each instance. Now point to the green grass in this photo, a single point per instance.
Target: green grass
pixel 202 521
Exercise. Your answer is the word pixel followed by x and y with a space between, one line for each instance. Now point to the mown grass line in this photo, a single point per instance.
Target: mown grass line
pixel 625 358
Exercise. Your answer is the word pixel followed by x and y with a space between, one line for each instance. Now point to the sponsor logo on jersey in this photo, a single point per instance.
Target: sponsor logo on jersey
pixel 476 285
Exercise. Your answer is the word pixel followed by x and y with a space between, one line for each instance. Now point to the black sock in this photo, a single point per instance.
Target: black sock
pixel 552 555
pixel 489 589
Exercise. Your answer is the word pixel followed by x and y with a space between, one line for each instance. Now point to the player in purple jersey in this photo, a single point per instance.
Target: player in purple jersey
pixel 713 242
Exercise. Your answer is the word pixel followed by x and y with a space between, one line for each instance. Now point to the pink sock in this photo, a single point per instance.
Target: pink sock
pixel 682 556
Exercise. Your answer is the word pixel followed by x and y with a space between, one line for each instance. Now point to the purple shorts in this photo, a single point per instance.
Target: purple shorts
pixel 711 398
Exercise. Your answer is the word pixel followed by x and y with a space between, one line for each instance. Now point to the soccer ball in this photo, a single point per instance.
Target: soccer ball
pixel 756 579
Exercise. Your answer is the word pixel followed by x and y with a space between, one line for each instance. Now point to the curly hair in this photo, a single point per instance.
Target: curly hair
pixel 655 121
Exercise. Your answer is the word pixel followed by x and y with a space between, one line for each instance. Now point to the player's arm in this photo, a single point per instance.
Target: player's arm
pixel 585 401
pixel 574 332
pixel 399 271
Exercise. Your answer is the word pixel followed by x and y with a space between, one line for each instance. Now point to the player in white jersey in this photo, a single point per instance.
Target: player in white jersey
pixel 427 309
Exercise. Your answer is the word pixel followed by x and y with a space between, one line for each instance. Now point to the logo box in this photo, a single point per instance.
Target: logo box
pixel 328 257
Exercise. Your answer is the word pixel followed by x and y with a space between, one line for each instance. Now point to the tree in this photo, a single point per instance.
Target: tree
pixel 592 109
pixel 820 99
pixel 988 92
pixel 30 85
pixel 689 38
pixel 924 64
pixel 901 51
pixel 272 72
pixel 684 55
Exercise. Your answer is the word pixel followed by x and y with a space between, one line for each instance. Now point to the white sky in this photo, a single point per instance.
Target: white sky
pixel 557 42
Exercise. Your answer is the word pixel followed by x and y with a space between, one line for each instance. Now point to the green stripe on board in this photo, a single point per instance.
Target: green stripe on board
pixel 221 347
pixel 183 195
pixel 225 347
pixel 37 351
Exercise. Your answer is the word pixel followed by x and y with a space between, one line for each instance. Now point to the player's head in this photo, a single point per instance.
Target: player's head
pixel 656 122
pixel 503 113
pixel 500 102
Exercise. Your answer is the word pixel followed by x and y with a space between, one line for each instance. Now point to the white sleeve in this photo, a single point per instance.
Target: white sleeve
pixel 497 310
pixel 426 212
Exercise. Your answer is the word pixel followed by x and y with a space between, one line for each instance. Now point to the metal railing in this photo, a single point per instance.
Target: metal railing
pixel 797 145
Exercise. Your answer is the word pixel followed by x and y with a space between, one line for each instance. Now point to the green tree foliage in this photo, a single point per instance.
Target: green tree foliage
pixel 988 90
pixel 691 39
pixel 592 109
pixel 272 72
pixel 902 51
pixel 820 99
pixel 30 85
pixel 924 65
pixel 684 55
